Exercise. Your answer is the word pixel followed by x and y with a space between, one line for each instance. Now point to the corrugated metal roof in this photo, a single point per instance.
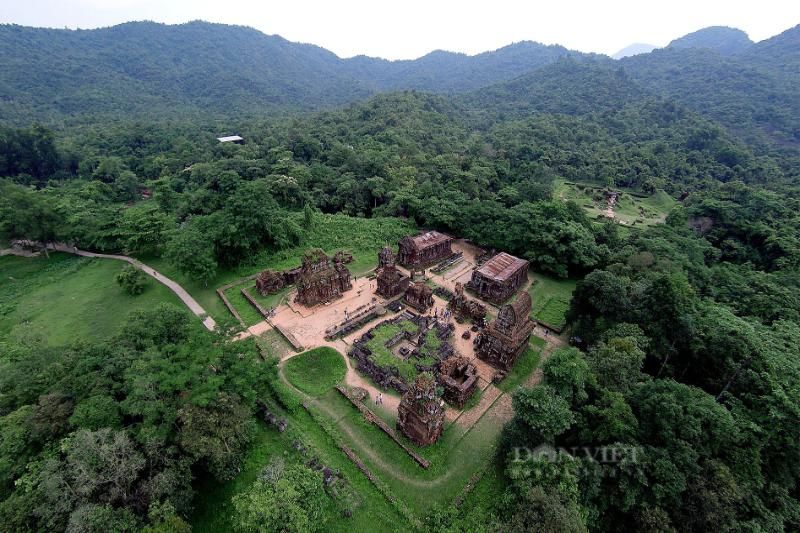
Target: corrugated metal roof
pixel 229 139
pixel 502 266
pixel 431 238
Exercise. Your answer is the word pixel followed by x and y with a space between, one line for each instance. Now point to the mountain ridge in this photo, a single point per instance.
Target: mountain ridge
pixel 723 39
pixel 152 70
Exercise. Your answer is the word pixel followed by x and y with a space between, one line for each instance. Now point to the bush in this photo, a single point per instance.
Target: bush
pixel 132 280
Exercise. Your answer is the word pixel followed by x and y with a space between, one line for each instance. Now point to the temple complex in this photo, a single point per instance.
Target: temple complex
pixel 465 309
pixel 424 249
pixel 506 337
pixel 459 379
pixel 419 296
pixel 420 415
pixel 321 279
pixel 499 277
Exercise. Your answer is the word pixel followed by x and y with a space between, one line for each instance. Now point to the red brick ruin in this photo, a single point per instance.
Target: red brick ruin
pixel 420 415
pixel 390 281
pixel 424 249
pixel 465 309
pixel 321 279
pixel 459 379
pixel 506 337
pixel 419 296
pixel 499 278
pixel 270 282
pixel 386 257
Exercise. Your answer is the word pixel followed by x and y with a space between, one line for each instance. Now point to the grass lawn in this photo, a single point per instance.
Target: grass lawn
pixel 66 298
pixel 631 210
pixel 551 299
pixel 454 458
pixel 383 356
pixel 316 371
pixel 246 311
pixel 271 300
pixel 524 366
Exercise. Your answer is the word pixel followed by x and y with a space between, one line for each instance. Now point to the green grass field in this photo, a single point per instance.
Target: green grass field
pixel 524 366
pixel 551 299
pixel 67 298
pixel 630 210
pixel 316 371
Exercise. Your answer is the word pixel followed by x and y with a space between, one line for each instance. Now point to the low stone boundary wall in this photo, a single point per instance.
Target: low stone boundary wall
pixel 550 327
pixel 371 417
pixel 288 336
pixel 228 304
pixel 266 313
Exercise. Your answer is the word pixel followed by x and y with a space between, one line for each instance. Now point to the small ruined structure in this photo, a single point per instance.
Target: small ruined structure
pixel 424 249
pixel 506 337
pixel 270 282
pixel 343 257
pixel 390 281
pixel 499 277
pixel 419 296
pixel 386 257
pixel 465 309
pixel 459 378
pixel 321 279
pixel 420 415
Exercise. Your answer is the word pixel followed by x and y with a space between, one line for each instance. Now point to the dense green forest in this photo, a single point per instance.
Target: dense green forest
pixel 684 333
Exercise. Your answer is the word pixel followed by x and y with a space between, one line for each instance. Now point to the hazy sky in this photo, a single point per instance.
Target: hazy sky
pixel 410 28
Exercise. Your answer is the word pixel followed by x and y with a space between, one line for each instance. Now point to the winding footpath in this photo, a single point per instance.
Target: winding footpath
pixel 179 291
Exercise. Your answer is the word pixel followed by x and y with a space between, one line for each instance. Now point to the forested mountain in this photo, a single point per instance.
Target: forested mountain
pixel 634 49
pixel 442 71
pixel 567 87
pixel 144 67
pixel 212 70
pixel 725 40
pixel 781 52
pixel 754 93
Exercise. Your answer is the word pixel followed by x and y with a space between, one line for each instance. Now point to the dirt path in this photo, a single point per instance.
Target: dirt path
pixel 179 291
pixel 18 252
